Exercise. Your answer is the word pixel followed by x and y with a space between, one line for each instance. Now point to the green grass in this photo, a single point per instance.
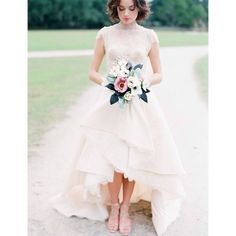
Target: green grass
pixel 202 72
pixel 182 38
pixel 43 40
pixel 53 84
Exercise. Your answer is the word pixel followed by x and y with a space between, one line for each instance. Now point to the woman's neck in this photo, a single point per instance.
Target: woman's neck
pixel 133 25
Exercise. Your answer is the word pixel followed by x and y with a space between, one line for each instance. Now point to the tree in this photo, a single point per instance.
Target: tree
pixel 66 13
pixel 182 13
pixel 57 14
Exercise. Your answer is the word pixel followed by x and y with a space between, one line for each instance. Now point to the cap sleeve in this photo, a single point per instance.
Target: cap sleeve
pixel 101 33
pixel 153 37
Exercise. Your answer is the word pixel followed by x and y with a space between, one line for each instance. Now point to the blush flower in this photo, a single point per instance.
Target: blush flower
pixel 120 84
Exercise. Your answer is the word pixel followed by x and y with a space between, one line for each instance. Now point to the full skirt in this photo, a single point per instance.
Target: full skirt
pixel 134 140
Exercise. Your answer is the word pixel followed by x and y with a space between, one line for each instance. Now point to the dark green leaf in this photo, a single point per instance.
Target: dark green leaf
pixel 140 66
pixel 110 86
pixel 114 98
pixel 146 91
pixel 143 96
pixel 129 66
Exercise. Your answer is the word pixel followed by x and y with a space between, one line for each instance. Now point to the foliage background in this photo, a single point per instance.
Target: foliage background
pixel 88 14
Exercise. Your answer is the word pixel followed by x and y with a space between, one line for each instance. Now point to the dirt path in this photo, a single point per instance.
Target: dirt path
pixel 65 53
pixel 186 112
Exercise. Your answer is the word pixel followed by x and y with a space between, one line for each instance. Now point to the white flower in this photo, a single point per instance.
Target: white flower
pixel 136 90
pixel 128 96
pixel 114 71
pixel 123 72
pixel 135 84
pixel 122 62
pixel 133 81
pixel 124 69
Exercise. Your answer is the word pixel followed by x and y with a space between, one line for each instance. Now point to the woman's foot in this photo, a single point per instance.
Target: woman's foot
pixel 113 221
pixel 125 221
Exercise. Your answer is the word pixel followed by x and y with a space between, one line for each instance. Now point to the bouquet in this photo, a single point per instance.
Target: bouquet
pixel 125 80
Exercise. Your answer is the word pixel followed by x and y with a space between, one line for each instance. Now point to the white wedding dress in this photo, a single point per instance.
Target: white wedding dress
pixel 134 140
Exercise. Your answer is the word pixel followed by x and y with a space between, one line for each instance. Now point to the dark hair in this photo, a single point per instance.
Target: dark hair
pixel 142 5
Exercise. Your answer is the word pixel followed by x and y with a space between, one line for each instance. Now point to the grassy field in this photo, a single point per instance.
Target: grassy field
pixel 202 72
pixel 43 40
pixel 53 84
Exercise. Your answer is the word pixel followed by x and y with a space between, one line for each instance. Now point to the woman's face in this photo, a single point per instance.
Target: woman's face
pixel 127 11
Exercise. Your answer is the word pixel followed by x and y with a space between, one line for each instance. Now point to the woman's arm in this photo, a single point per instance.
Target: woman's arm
pixel 154 56
pixel 99 52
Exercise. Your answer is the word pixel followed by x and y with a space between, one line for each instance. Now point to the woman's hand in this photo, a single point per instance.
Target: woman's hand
pixel 104 82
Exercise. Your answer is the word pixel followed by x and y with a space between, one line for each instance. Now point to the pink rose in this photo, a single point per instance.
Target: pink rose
pixel 121 84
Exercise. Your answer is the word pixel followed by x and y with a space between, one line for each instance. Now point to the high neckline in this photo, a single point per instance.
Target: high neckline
pixel 131 26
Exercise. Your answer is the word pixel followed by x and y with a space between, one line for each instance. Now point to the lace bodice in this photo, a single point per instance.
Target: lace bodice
pixel 131 42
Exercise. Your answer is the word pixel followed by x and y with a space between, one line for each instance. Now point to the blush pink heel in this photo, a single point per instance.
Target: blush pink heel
pixel 125 221
pixel 113 221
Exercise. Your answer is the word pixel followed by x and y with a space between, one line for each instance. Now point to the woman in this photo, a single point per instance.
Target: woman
pixel 130 146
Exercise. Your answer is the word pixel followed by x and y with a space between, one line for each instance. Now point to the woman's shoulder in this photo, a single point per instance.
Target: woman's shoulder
pixel 149 31
pixel 151 34
pixel 103 31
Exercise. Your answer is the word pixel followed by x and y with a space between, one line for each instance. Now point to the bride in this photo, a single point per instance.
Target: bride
pixel 130 147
